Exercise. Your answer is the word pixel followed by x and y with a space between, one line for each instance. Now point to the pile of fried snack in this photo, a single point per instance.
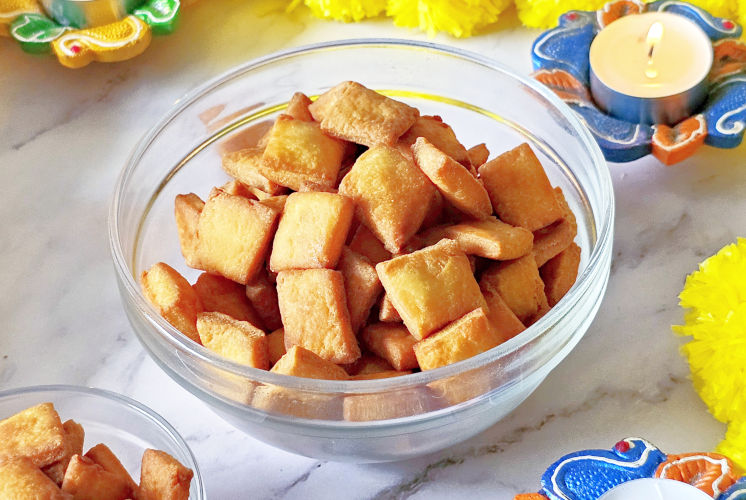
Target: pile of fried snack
pixel 42 458
pixel 361 240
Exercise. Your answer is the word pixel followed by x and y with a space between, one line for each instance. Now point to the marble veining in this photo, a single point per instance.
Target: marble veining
pixel 64 137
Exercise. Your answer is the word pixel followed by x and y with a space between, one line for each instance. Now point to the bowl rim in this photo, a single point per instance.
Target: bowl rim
pixel 128 402
pixel 181 342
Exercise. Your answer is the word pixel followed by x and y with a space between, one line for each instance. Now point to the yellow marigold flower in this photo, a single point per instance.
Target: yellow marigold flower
pixel 734 444
pixel 715 296
pixel 545 13
pixel 344 10
pixel 460 18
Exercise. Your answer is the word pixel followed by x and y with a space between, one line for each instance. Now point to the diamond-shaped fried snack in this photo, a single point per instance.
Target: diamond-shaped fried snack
pixel 353 112
pixel 301 362
pixel 392 342
pixel 298 107
pixel 276 345
pixel 300 404
pixel 503 321
pixel 452 179
pixel 551 240
pixel 438 134
pixel 478 155
pixel 366 244
pixel 560 273
pixel 225 296
pixel 431 287
pixel 173 296
pixel 368 364
pixel 518 283
pixel 234 236
pixel 263 297
pixel 490 238
pixel 520 190
pixel 35 433
pixel 362 286
pixel 312 231
pixel 245 165
pixel 435 209
pixel 314 312
pixel 86 480
pixel 387 312
pixel 236 188
pixel 466 337
pixel 74 437
pixel 390 195
pixel 187 208
pixel 162 477
pixel 383 406
pixel 239 341
pixel 20 479
pixel 103 456
pixel 298 151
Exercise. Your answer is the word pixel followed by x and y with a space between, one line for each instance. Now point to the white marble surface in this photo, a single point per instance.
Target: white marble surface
pixel 64 136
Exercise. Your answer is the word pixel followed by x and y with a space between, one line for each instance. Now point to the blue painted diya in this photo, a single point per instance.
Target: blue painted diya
pixel 561 61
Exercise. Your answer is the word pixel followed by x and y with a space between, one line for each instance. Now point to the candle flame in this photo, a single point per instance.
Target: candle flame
pixel 655 34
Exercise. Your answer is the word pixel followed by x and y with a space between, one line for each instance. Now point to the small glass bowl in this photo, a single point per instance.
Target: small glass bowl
pixel 395 418
pixel 121 423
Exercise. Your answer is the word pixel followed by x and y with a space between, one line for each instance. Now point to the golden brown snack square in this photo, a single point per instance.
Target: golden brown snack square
pixel 383 406
pixel 366 244
pixel 505 323
pixel 387 312
pixel 431 287
pixel 468 336
pixel 173 296
pixel 276 345
pixel 551 240
pixel 103 456
pixel 463 387
pixel 368 364
pixel 452 179
pixel 518 283
pixel 74 437
pixel 277 203
pixel 353 112
pixel 35 433
pixel 236 188
pixel 478 155
pixel 228 297
pixel 520 190
pixel 312 231
pixel 245 166
pixel 86 480
pixel 298 107
pixel 262 294
pixel 392 342
pixel 491 238
pixel 162 477
pixel 299 151
pixel 560 273
pixel 20 479
pixel 187 208
pixel 299 404
pixel 239 341
pixel 300 362
pixel 435 210
pixel 388 191
pixel 314 313
pixel 234 236
pixel 438 134
pixel 362 286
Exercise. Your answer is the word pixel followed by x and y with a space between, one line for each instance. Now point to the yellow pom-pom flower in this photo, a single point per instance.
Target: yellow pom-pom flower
pixel 715 296
pixel 460 18
pixel 546 13
pixel 734 444
pixel 344 10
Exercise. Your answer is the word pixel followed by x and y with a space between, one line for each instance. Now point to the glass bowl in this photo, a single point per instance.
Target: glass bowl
pixel 121 423
pixel 395 418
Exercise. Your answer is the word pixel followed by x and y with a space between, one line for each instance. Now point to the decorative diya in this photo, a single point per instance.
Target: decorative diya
pixel 81 31
pixel 666 78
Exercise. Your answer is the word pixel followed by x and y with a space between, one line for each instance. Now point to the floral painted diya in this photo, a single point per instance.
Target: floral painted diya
pixel 665 78
pixel 81 31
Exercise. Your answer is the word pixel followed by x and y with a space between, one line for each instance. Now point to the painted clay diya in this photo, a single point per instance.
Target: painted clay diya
pixel 591 474
pixel 37 32
pixel 561 62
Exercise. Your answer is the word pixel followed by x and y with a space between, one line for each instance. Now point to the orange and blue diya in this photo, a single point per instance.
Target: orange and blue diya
pixel 81 31
pixel 634 468
pixel 659 78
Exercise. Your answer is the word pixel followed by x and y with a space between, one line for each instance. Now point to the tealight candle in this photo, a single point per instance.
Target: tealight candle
pixel 655 489
pixel 650 67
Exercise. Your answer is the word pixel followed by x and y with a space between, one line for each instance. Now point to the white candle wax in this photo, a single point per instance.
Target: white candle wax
pixel 655 489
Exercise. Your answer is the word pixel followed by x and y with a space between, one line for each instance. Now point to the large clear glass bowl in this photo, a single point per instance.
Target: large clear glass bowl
pixel 122 424
pixel 410 415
